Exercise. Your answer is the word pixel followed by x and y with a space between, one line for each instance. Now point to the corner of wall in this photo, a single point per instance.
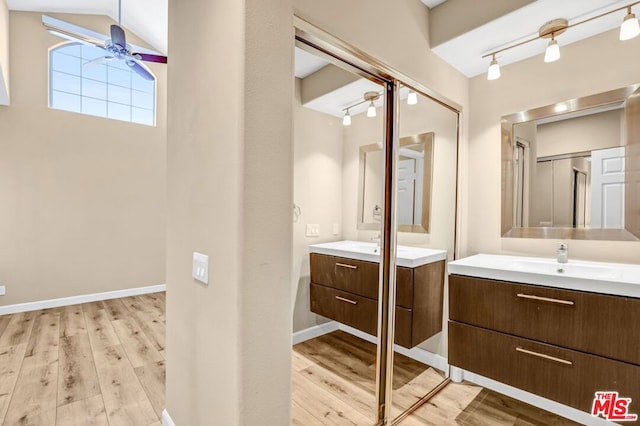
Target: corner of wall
pixel 4 53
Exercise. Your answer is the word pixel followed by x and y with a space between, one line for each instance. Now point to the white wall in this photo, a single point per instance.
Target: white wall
pixel 83 198
pixel 587 67
pixel 588 133
pixel 317 190
pixel 229 180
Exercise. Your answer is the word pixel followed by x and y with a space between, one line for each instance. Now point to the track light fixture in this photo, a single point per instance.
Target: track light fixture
pixel 346 121
pixel 371 96
pixel 552 53
pixel 629 29
pixel 494 69
pixel 371 111
pixel 412 98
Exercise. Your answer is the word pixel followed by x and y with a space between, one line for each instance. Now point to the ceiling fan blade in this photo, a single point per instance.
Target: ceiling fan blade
pixel 73 32
pixel 68 35
pixel 140 69
pixel 98 61
pixel 150 57
pixel 117 36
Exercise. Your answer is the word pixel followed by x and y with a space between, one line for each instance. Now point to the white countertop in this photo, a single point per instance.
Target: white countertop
pixel 409 257
pixel 598 277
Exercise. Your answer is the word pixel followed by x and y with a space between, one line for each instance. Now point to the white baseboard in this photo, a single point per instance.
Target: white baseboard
pixel 74 300
pixel 166 419
pixel 535 400
pixel 433 360
pixel 420 355
pixel 313 332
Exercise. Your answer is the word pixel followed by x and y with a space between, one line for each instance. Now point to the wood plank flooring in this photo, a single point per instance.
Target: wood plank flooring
pixel 334 384
pixel 97 363
pixel 103 364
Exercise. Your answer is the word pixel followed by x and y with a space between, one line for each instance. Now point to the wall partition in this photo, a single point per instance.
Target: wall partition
pixel 370 290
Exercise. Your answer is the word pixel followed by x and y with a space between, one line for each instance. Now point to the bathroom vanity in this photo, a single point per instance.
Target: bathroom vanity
pixel 344 287
pixel 563 335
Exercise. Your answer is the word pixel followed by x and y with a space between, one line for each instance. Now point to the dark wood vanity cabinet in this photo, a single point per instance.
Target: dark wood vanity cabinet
pixel 564 345
pixel 346 290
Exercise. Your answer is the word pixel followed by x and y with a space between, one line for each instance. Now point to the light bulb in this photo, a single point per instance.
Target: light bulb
pixel 412 98
pixel 630 27
pixel 494 70
pixel 552 53
pixel 371 111
pixel 346 121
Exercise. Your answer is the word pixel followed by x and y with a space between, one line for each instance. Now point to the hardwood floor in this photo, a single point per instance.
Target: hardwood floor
pixel 334 384
pixel 103 364
pixel 97 363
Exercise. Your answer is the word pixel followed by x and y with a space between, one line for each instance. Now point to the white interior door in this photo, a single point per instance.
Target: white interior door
pixel 607 188
pixel 406 190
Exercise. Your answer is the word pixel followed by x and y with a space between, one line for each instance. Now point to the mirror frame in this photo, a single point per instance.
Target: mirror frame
pixel 611 97
pixel 428 140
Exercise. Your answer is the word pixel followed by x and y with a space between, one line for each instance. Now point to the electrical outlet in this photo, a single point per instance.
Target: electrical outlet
pixel 2 290
pixel 313 230
pixel 201 267
pixel 336 228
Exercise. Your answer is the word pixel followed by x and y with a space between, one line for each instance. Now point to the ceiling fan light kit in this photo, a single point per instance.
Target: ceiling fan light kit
pixel 629 29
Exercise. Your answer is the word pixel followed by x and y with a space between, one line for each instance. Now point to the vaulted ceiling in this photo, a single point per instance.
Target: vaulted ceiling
pixel 461 30
pixel 146 18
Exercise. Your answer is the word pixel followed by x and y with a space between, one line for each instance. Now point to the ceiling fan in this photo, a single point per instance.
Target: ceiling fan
pixel 115 48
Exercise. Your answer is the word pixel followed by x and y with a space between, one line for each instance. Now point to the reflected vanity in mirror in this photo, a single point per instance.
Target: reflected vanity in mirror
pixel 342 352
pixel 571 170
pixel 415 166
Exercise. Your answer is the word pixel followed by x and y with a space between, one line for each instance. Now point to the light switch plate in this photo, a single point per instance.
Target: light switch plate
pixel 201 267
pixel 336 228
pixel 313 230
pixel 2 290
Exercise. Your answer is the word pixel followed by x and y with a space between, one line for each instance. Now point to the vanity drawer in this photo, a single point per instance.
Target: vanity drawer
pixel 350 309
pixel 359 312
pixel 589 322
pixel 562 375
pixel 358 277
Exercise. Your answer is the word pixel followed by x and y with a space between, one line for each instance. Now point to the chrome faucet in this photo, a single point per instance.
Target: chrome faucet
pixel 563 255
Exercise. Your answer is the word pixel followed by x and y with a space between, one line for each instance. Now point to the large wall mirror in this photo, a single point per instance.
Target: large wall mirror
pixel 572 169
pixel 415 165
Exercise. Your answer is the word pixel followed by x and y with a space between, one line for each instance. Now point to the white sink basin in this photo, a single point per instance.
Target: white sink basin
pixel 410 257
pixel 572 269
pixel 610 278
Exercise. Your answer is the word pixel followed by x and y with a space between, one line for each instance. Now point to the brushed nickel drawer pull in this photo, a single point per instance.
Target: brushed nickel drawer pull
pixel 353 302
pixel 344 265
pixel 546 299
pixel 549 357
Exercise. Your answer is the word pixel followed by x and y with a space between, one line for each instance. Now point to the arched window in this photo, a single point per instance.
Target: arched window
pixel 110 90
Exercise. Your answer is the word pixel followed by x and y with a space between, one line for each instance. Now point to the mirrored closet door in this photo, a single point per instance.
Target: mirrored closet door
pixel 426 212
pixel 375 172
pixel 337 108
